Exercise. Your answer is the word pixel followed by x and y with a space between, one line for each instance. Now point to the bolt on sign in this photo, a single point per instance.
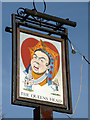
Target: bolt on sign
pixel 40 71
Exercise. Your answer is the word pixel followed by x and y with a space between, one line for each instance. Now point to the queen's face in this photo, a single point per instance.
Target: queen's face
pixel 40 62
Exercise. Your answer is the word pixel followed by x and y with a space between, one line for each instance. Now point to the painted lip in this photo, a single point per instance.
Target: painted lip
pixel 36 68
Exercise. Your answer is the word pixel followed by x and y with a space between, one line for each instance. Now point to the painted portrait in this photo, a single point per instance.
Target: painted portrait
pixel 40 69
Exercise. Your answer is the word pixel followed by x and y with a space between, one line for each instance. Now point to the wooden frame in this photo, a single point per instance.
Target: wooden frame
pixel 16 99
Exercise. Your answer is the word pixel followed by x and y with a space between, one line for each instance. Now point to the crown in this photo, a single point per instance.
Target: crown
pixel 42 45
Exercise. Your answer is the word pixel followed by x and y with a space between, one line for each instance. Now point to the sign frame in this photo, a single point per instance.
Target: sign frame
pixel 67 107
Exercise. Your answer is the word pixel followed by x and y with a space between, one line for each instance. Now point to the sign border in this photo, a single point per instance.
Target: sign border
pixel 63 67
pixel 15 98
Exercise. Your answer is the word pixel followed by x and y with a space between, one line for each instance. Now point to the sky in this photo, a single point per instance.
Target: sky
pixel 75 11
pixel 0 60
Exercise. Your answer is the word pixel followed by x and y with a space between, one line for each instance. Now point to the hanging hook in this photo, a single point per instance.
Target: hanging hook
pixel 44 6
pixel 20 11
pixel 34 6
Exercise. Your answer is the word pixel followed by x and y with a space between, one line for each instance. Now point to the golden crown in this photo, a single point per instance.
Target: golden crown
pixel 42 45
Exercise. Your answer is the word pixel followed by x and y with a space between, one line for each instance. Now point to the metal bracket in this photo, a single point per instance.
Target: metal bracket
pixel 8 29
pixel 41 21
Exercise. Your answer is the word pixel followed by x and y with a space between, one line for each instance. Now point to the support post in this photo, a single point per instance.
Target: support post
pixel 43 113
